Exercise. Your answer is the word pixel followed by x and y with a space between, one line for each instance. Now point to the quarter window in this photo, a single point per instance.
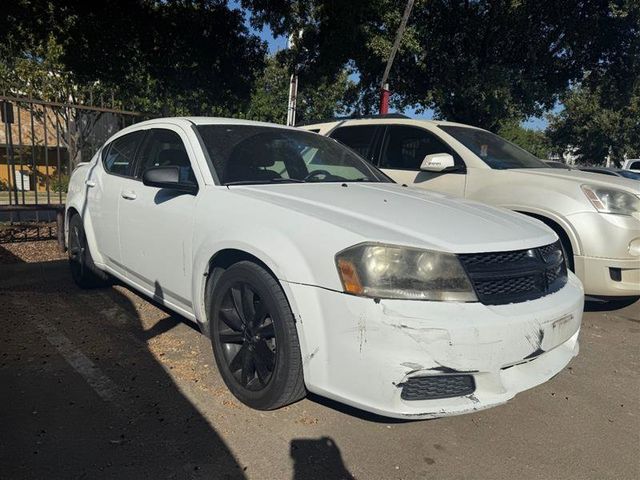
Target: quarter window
pixel 405 147
pixel 164 148
pixel 120 154
pixel 634 165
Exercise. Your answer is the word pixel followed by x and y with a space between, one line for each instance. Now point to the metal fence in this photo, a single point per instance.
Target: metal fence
pixel 40 144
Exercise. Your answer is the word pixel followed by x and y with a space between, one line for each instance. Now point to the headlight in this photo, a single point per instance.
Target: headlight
pixel 387 271
pixel 610 200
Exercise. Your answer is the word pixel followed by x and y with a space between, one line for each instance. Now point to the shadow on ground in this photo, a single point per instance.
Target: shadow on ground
pixel 82 395
pixel 317 459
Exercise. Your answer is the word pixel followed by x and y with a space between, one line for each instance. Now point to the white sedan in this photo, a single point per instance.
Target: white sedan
pixel 311 271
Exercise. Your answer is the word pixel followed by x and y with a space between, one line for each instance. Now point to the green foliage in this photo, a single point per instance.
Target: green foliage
pixel 482 62
pixel 60 183
pixel 323 99
pixel 594 129
pixel 172 57
pixel 533 141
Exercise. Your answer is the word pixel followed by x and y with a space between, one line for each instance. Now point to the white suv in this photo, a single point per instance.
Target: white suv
pixel 632 164
pixel 596 217
pixel 310 270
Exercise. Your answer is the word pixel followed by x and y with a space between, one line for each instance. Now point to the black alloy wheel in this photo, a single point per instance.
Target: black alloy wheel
pixel 254 337
pixel 83 270
pixel 247 335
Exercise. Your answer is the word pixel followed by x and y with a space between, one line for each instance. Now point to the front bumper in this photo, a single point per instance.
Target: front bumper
pixel 608 242
pixel 361 352
pixel 609 277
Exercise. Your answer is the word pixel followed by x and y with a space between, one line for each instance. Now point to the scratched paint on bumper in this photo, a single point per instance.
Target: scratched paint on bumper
pixel 359 351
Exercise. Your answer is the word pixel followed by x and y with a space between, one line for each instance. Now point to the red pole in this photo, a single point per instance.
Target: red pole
pixel 384 99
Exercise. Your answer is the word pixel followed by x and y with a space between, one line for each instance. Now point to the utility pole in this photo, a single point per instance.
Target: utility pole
pixel 293 86
pixel 384 86
pixel 293 96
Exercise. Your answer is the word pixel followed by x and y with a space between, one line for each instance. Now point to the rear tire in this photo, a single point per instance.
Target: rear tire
pixel 84 272
pixel 254 338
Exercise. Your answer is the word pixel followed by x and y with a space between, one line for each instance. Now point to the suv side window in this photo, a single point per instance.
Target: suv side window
pixel 120 154
pixel 164 148
pixel 358 138
pixel 405 147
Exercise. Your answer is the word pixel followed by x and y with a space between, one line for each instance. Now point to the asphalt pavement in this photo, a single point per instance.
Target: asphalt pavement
pixel 103 384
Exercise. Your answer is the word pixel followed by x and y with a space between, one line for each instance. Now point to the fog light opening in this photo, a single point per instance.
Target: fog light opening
pixel 615 274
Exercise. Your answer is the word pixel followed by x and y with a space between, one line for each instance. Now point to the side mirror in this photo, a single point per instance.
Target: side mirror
pixel 169 178
pixel 438 162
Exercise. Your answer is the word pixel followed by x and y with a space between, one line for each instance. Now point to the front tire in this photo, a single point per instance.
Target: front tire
pixel 254 338
pixel 83 271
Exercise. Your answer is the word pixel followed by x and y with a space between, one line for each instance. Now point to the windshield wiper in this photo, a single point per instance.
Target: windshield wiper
pixel 264 182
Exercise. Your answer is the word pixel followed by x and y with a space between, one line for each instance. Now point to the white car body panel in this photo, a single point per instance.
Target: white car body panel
pixel 554 194
pixel 354 349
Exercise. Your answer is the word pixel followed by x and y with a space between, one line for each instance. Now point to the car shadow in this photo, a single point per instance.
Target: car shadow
pixel 84 396
pixel 595 305
pixel 356 412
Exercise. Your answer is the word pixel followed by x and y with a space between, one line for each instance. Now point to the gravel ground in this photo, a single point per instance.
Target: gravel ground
pixel 30 252
pixel 103 384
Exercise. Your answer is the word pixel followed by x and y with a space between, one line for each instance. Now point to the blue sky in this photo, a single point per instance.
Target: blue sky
pixel 279 43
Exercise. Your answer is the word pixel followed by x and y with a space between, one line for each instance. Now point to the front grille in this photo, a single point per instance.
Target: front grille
pixel 437 386
pixel 516 276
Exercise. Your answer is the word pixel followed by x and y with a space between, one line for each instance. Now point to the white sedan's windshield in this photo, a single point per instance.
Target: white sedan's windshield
pixel 495 151
pixel 251 154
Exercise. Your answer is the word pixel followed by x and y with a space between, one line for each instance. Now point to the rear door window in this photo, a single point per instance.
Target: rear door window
pixel 359 138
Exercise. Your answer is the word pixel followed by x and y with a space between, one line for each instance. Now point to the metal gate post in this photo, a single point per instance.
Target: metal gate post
pixel 60 228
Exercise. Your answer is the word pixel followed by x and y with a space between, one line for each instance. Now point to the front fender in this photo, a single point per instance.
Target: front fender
pixel 556 217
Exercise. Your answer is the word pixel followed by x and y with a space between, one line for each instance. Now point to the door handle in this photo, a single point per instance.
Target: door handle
pixel 90 183
pixel 128 195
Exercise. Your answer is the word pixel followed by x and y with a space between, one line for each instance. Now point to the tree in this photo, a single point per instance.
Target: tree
pixel 481 62
pixel 169 56
pixel 594 129
pixel 533 141
pixel 270 96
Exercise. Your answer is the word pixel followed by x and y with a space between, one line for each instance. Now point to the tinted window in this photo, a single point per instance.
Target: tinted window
pixel 493 150
pixel 635 165
pixel 405 147
pixel 120 154
pixel 164 148
pixel 256 154
pixel 359 139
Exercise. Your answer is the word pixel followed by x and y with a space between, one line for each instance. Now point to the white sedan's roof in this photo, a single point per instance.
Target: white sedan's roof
pixel 210 121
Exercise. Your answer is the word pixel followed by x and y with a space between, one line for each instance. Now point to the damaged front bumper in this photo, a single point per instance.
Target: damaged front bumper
pixel 364 352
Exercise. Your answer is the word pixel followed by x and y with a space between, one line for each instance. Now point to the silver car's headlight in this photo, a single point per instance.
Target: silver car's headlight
pixel 395 272
pixel 611 200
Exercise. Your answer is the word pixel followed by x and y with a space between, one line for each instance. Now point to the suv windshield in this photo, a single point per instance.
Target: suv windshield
pixel 251 154
pixel 495 151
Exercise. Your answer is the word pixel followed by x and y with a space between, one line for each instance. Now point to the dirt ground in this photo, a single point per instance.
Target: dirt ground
pixel 103 384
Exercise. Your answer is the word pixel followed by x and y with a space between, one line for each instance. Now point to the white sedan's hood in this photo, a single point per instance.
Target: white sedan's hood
pixel 391 213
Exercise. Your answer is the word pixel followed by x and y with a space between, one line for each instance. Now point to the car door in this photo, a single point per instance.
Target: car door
pixel 107 179
pixel 403 150
pixel 156 225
